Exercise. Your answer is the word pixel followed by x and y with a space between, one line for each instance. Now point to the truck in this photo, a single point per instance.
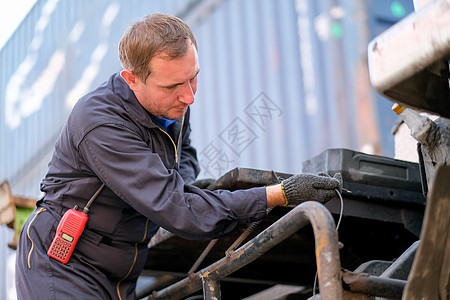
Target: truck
pixel 394 215
pixel 385 237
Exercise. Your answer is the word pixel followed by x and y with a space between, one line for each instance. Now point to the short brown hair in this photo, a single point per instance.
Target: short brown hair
pixel 154 34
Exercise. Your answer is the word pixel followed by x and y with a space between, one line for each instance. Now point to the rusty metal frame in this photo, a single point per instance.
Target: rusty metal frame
pixel 327 255
pixel 365 284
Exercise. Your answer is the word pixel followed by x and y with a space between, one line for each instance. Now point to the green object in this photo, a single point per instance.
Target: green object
pixel 22 214
pixel 397 9
pixel 336 30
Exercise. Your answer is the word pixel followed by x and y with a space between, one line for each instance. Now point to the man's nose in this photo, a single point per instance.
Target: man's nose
pixel 187 94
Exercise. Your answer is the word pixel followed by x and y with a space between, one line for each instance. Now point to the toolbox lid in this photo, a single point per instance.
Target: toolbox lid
pixel 369 176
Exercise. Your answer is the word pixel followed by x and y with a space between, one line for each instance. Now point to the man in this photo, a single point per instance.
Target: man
pixel 132 134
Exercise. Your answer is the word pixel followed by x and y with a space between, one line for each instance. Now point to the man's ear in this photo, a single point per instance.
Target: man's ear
pixel 130 78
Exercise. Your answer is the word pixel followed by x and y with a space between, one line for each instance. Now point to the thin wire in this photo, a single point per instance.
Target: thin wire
pixel 244 235
pixel 341 212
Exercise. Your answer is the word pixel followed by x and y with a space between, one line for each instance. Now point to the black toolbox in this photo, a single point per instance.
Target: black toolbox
pixel 371 177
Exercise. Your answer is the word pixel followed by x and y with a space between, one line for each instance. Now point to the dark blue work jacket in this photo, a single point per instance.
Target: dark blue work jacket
pixel 109 137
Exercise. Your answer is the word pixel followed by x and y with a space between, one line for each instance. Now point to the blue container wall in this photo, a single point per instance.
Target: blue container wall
pixel 280 81
pixel 61 50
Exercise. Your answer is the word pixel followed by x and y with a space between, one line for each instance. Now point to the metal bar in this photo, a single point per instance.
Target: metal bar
pixel 327 251
pixel 401 267
pixel 202 256
pixel 327 254
pixel 243 236
pixel 373 285
pixel 211 289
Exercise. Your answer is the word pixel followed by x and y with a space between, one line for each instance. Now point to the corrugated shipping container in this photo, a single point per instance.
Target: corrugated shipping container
pixel 280 81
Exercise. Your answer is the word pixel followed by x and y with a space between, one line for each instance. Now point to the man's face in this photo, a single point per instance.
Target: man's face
pixel 171 86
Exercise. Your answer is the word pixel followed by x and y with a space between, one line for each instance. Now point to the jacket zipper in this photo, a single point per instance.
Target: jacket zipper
pixel 175 146
pixel 134 260
pixel 28 234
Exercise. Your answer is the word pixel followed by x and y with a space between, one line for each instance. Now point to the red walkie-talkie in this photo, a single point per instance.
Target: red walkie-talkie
pixel 69 231
pixel 67 234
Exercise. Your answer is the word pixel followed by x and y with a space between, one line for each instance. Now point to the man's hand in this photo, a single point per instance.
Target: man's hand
pixel 310 187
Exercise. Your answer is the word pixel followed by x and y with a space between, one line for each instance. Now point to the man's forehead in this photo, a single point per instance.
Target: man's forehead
pixel 167 56
pixel 163 65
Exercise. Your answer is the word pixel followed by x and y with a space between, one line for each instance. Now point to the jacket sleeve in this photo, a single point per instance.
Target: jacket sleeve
pixel 189 166
pixel 126 164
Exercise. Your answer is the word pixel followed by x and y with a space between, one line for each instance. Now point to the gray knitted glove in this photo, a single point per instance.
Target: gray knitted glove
pixel 305 187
